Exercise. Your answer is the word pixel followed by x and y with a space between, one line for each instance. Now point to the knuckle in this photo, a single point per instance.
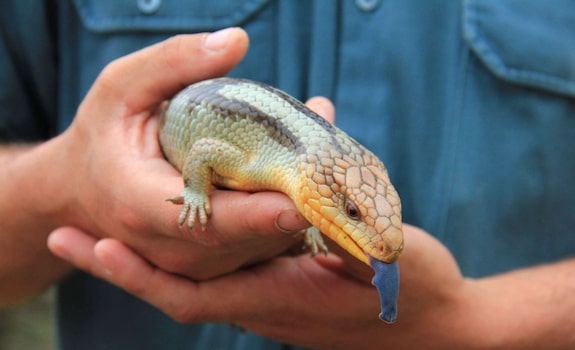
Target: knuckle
pixel 181 314
pixel 107 79
pixel 140 289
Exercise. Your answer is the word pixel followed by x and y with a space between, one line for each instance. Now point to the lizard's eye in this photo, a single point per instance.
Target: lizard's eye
pixel 351 210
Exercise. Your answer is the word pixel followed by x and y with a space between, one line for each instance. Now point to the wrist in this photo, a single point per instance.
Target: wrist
pixel 26 265
pixel 510 311
pixel 37 187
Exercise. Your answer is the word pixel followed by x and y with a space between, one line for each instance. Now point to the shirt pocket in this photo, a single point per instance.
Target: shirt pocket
pixel 531 43
pixel 100 31
pixel 112 16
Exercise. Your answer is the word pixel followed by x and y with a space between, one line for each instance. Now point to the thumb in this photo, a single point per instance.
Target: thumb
pixel 141 80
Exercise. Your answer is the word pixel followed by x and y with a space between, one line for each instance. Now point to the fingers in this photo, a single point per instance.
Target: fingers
pixel 236 216
pixel 108 259
pixel 425 255
pixel 323 107
pixel 76 247
pixel 111 260
pixel 127 270
pixel 296 300
pixel 296 285
pixel 146 77
pixel 180 298
pixel 244 228
pixel 260 213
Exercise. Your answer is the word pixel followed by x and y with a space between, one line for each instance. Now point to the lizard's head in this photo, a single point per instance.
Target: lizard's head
pixel 356 206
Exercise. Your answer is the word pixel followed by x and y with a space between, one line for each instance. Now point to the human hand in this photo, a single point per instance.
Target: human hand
pixel 326 302
pixel 120 180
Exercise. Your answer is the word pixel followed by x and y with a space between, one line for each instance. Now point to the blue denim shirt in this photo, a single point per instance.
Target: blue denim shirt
pixel 471 105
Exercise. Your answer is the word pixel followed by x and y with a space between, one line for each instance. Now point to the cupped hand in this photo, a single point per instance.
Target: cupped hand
pixel 114 181
pixel 325 302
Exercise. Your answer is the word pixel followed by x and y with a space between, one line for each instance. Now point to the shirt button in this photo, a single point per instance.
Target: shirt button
pixel 149 7
pixel 367 5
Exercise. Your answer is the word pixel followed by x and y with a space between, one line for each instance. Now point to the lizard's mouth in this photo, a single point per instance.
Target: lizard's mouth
pixel 386 251
pixel 353 248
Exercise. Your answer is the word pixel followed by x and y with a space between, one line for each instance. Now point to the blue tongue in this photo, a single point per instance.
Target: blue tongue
pixel 386 281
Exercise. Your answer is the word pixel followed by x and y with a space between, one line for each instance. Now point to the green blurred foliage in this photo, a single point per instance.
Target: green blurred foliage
pixel 29 326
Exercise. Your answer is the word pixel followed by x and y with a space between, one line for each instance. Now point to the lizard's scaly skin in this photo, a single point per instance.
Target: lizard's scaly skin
pixel 249 136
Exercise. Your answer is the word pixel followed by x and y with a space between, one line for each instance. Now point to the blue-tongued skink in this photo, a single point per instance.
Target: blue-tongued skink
pixel 249 136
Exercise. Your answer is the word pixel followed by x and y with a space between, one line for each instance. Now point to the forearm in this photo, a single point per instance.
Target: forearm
pixel 533 308
pixel 26 177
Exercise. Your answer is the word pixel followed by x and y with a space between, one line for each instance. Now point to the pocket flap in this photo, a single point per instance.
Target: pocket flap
pixel 164 15
pixel 525 42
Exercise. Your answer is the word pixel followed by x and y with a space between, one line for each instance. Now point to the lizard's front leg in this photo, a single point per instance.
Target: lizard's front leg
pixel 206 158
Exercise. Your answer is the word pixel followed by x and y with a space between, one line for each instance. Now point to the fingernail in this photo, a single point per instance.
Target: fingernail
pixel 290 221
pixel 216 41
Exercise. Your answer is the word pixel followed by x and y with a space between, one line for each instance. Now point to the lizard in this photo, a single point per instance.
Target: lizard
pixel 245 135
